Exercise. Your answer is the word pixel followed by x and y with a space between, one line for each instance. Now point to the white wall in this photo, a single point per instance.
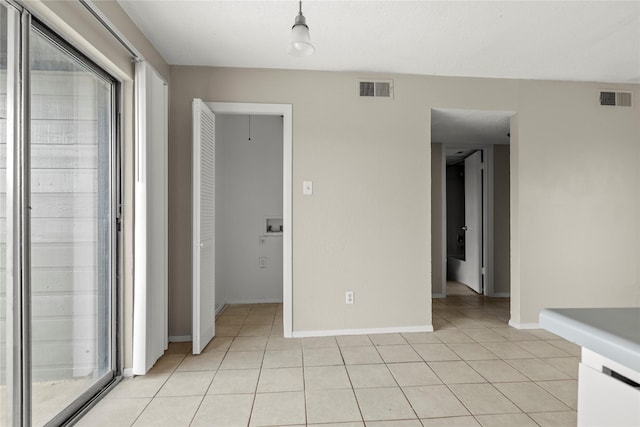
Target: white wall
pixel 248 189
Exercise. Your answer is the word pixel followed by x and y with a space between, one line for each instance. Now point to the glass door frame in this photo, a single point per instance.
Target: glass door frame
pixel 18 192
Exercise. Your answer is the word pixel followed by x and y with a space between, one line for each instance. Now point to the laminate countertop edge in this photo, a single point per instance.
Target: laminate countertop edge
pixel 612 332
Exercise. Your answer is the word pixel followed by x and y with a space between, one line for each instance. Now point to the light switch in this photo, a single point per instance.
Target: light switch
pixel 307 188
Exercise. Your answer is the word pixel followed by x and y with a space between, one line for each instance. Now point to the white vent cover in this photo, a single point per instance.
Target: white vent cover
pixel 612 98
pixel 375 88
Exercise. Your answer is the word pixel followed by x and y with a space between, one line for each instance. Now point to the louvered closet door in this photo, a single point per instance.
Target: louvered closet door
pixel 203 288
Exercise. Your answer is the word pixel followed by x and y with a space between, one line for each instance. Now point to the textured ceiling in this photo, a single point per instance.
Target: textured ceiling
pixel 551 40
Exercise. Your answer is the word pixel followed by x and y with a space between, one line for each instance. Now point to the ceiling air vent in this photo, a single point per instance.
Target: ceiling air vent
pixel 620 99
pixel 376 89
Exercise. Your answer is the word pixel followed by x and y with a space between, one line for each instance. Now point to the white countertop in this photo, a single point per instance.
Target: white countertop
pixel 611 332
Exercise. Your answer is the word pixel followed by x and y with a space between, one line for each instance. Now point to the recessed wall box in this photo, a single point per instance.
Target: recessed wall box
pixel 273 225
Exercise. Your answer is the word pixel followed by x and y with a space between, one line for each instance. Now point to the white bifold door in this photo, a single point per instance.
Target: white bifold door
pixel 203 231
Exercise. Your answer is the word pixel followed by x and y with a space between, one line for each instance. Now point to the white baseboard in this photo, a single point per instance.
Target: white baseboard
pixel 438 295
pixel 127 372
pixel 220 308
pixel 371 331
pixel 256 301
pixel 518 325
pixel 502 295
pixel 179 338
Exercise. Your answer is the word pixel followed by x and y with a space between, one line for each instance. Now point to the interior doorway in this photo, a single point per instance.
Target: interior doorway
pixel 470 201
pixel 248 209
pixel 284 221
pixel 466 205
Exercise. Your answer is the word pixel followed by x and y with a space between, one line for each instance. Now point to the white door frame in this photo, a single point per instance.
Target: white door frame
pixel 286 111
pixel 487 213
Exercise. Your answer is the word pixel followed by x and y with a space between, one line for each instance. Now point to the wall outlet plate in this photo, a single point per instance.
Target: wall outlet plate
pixel 349 297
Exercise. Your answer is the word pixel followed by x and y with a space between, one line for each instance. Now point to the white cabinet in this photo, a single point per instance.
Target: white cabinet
pixel 605 401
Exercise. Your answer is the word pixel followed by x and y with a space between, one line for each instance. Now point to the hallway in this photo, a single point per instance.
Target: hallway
pixel 474 370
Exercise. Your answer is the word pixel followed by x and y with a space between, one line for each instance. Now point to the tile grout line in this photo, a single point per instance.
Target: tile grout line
pixel 353 390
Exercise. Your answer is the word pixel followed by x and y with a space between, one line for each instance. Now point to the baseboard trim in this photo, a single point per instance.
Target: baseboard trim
pixel 518 325
pixel 438 295
pixel 127 372
pixel 220 308
pixel 502 295
pixel 179 338
pixel 369 331
pixel 256 301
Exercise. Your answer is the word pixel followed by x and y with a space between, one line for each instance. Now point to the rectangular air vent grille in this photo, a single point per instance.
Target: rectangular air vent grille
pixel 376 89
pixel 620 99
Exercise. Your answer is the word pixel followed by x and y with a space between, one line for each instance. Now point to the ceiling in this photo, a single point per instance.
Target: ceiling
pixel 470 127
pixel 549 40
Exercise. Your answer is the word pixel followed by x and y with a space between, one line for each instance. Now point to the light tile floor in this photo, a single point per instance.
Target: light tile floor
pixel 474 370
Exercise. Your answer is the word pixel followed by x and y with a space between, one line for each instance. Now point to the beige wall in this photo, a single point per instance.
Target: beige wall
pixel 118 17
pixel 578 198
pixel 501 238
pixel 514 216
pixel 367 227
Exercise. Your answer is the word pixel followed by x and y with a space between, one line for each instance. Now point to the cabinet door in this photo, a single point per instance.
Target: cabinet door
pixel 606 401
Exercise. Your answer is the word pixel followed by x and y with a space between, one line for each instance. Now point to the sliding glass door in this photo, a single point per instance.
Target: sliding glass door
pixel 8 16
pixel 59 202
pixel 71 225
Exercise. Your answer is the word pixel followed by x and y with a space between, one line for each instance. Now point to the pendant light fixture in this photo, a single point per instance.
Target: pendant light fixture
pixel 300 44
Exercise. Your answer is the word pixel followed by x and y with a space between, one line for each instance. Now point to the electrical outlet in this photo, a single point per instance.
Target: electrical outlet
pixel 262 262
pixel 349 297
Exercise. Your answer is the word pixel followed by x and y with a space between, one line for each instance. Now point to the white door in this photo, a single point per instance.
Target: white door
pixel 203 229
pixel 473 221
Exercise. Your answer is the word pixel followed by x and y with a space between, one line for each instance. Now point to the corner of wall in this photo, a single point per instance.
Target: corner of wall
pixel 514 220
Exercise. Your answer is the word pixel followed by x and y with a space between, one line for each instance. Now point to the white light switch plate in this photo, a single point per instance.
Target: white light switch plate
pixel 307 188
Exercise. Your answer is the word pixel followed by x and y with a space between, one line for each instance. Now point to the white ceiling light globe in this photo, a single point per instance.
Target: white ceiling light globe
pixel 300 44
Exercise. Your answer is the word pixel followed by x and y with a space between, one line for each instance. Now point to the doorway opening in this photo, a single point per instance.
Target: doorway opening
pixel 470 202
pixel 273 227
pixel 466 207
pixel 248 209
